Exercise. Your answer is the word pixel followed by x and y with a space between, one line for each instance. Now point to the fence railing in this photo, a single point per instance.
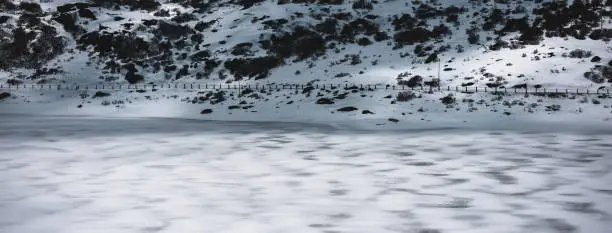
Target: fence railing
pixel 259 87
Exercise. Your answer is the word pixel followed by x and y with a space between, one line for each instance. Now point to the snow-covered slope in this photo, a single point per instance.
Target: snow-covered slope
pixel 146 41
pixel 512 44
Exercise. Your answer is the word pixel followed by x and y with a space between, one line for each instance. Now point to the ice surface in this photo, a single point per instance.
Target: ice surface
pixel 84 174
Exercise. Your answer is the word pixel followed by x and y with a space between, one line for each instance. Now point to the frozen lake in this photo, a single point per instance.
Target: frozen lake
pixel 80 175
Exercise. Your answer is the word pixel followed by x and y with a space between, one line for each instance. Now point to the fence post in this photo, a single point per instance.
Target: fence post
pixel 505 90
pixel 587 91
pixel 466 90
pixel 456 89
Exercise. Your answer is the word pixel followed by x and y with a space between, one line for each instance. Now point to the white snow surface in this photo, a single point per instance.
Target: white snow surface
pixel 88 174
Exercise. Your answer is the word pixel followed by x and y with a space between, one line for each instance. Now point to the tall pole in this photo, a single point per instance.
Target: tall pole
pixel 439 81
pixel 601 13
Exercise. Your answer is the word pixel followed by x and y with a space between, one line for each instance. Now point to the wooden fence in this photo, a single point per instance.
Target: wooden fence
pixel 259 87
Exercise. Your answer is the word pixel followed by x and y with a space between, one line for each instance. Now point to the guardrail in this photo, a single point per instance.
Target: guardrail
pixel 258 87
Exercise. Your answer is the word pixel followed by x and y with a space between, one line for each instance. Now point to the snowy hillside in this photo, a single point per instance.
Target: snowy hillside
pixel 506 44
pixel 478 43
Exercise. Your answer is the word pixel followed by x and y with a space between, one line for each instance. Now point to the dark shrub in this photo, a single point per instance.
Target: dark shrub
pixel 364 41
pixel 405 96
pixel 252 67
pixel 418 35
pixel 449 99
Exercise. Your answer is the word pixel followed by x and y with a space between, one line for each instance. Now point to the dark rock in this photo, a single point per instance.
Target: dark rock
pixel 86 13
pixel 324 101
pixel 366 112
pixel 200 56
pixel 393 120
pixel 364 41
pixel 100 94
pixel 4 95
pixel 596 59
pixel 234 107
pixel 206 111
pixel 347 109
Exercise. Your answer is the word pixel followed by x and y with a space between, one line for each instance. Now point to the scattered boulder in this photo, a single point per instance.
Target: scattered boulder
pixel 100 94
pixel 393 120
pixel 366 112
pixel 206 111
pixel 347 109
pixel 324 101
pixel 596 59
pixel 4 95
